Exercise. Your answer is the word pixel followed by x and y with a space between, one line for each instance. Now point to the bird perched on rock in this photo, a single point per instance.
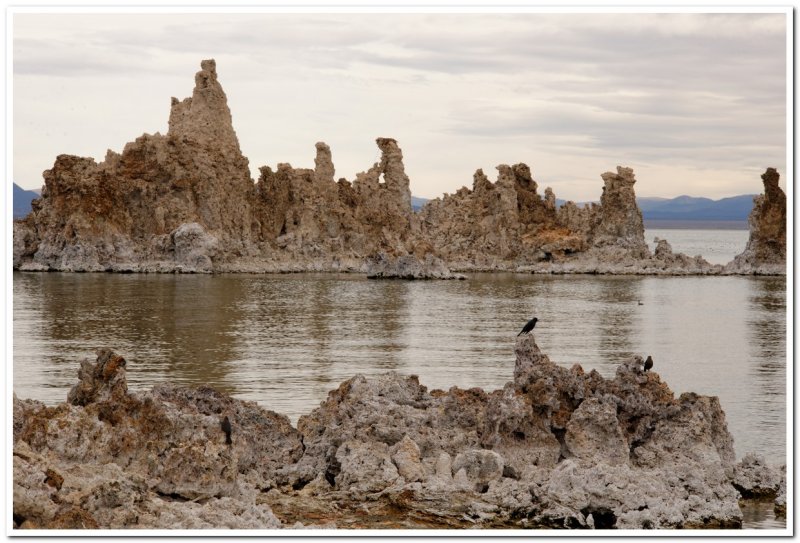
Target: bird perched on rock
pixel 648 363
pixel 528 327
pixel 226 427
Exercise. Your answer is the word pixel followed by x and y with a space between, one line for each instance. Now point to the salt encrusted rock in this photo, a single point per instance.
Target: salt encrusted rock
pixel 365 467
pixel 620 220
pixel 766 248
pixel 381 266
pixel 405 456
pixel 753 478
pixel 480 466
pixel 780 500
pixel 103 380
pixel 593 433
pixel 193 248
pixel 118 459
pixel 556 447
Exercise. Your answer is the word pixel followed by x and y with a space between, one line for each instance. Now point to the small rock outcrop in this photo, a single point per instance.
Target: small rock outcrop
pixel 554 448
pixel 754 478
pixel 766 248
pixel 113 459
pixel 381 266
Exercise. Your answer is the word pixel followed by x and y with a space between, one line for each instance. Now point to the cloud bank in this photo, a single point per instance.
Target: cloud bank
pixel 695 103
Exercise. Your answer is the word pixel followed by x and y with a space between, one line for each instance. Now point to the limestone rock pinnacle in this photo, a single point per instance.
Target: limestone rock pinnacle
pixel 766 247
pixel 205 117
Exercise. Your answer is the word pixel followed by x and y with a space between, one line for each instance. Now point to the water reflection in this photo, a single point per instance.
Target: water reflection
pixel 173 328
pixel 285 341
pixel 767 345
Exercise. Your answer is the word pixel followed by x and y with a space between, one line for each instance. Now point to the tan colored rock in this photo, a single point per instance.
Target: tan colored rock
pixel 620 220
pixel 766 248
pixel 120 457
pixel 405 456
pixel 185 202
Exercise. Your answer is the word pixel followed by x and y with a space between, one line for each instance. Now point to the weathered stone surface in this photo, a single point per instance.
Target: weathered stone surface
pixel 593 433
pixel 185 202
pixel 479 466
pixel 125 213
pixel 620 220
pixel 406 457
pixel 382 266
pixel 556 447
pixel 780 499
pixel 156 459
pixel 753 478
pixel 766 248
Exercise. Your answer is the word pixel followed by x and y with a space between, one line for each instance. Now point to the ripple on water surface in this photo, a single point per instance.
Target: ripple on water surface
pixel 286 340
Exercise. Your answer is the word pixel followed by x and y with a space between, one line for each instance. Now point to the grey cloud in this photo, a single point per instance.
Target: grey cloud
pixel 702 89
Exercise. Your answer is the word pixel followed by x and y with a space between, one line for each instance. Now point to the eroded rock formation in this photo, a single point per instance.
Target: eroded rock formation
pixel 174 202
pixel 556 447
pixel 766 249
pixel 185 202
pixel 497 225
pixel 312 220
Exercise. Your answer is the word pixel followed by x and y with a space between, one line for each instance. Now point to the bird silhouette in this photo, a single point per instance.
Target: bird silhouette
pixel 648 363
pixel 226 427
pixel 528 327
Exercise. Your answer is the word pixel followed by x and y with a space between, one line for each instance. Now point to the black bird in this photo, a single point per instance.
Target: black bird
pixel 648 363
pixel 528 327
pixel 226 427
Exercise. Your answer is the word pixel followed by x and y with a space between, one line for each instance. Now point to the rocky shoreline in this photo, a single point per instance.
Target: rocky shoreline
pixel 184 202
pixel 554 448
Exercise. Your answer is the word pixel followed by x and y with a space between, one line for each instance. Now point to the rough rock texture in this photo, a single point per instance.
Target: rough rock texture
pixel 555 448
pixel 382 266
pixel 185 202
pixel 501 224
pixel 113 459
pixel 766 249
pixel 780 499
pixel 310 220
pixel 753 478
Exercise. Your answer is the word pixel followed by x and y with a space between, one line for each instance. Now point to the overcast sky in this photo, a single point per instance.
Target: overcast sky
pixel 695 103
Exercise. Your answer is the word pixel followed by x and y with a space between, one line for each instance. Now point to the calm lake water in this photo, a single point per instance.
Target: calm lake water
pixel 284 341
pixel 716 246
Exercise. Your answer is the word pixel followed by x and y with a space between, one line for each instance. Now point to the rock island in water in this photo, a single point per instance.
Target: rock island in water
pixel 185 202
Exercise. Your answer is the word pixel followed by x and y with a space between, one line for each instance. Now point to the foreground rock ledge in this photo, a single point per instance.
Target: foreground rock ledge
pixel 555 448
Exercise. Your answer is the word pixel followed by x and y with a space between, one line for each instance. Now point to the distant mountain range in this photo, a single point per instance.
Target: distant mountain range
pixel 682 208
pixel 691 208
pixel 735 208
pixel 22 201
